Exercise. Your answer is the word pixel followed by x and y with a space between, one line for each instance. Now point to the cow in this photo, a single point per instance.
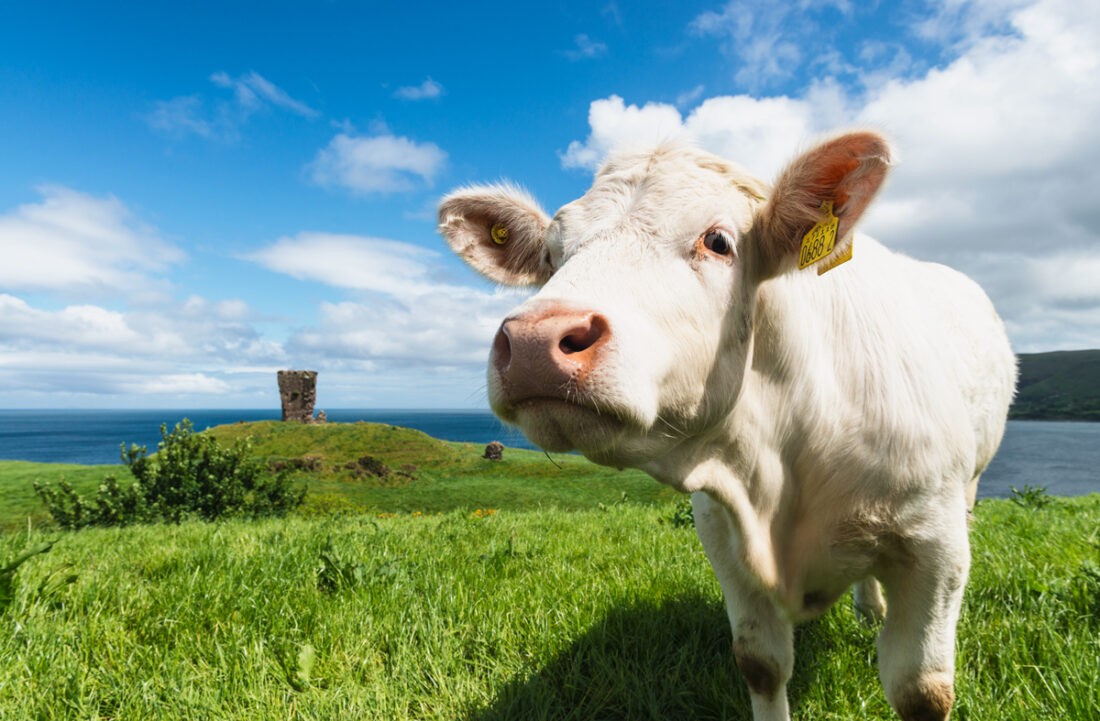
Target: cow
pixel 829 404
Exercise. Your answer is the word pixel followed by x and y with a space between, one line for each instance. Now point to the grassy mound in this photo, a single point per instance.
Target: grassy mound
pixel 378 468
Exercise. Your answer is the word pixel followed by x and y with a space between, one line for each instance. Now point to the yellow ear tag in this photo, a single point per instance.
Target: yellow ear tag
pixel 821 239
pixel 839 260
pixel 499 234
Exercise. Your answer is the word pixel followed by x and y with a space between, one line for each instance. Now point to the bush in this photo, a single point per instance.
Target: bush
pixel 373 466
pixel 191 475
pixel 682 515
pixel 1032 497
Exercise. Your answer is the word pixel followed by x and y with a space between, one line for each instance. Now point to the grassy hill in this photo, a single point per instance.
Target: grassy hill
pixel 1061 385
pixel 378 468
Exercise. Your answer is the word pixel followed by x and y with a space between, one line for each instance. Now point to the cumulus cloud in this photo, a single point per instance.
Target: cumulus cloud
pixel 85 307
pixel 79 244
pixel 223 119
pixel 617 125
pixel 376 164
pixel 195 331
pixel 93 351
pixel 999 157
pixel 759 133
pixel 427 90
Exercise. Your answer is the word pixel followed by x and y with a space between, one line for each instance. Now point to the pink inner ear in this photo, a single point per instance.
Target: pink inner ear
pixel 850 168
pixel 847 170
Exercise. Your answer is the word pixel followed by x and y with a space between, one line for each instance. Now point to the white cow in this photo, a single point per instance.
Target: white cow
pixel 831 427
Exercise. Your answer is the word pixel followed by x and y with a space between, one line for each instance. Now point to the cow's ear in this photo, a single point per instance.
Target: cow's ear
pixel 825 190
pixel 499 230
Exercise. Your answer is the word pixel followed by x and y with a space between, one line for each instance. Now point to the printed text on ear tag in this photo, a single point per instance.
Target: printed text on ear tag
pixel 821 239
pixel 499 233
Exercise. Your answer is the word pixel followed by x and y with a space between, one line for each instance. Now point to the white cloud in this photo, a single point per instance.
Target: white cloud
pixel 616 125
pixel 78 244
pixel 196 331
pixel 427 90
pixel 223 119
pixel 123 335
pixel 999 156
pixel 958 23
pixel 689 97
pixel 420 332
pixel 103 353
pixel 254 92
pixel 181 384
pixel 351 261
pixel 182 116
pixel 758 35
pixel 410 317
pixel 585 48
pixel 376 164
pixel 758 133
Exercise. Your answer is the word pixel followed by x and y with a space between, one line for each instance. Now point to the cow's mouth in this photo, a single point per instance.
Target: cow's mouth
pixel 559 425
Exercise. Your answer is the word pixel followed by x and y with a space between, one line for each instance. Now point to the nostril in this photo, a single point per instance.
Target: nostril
pixel 502 348
pixel 583 337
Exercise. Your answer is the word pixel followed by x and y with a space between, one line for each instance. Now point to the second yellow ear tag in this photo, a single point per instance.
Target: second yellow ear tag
pixel 499 233
pixel 821 239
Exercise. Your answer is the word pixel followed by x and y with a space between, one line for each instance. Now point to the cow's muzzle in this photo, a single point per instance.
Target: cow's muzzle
pixel 549 353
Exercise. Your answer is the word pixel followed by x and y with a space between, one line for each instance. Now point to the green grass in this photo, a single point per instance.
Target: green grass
pixel 537 614
pixel 17 487
pixel 441 476
pixel 459 588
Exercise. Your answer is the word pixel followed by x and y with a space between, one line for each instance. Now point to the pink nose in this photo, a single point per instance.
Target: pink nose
pixel 548 353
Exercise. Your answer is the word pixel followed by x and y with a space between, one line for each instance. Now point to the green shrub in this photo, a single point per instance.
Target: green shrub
pixel 682 515
pixel 1033 497
pixel 191 475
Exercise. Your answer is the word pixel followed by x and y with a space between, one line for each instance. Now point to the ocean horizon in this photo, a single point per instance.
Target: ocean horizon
pixel 1061 456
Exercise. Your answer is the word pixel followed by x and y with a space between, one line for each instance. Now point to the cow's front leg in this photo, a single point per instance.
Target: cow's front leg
pixel 924 590
pixel 763 644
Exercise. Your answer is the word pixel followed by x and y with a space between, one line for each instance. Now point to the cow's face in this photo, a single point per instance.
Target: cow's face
pixel 642 330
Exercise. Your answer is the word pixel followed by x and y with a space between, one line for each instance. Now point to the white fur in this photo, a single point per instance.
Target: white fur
pixel 831 428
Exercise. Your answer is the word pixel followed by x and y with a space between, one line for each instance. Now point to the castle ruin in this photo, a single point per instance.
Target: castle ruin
pixel 298 392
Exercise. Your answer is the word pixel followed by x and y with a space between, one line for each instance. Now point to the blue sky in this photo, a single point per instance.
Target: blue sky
pixel 194 196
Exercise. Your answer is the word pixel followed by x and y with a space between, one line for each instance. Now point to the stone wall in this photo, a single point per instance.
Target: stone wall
pixel 298 392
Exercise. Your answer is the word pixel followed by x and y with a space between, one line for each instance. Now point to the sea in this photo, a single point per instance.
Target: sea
pixel 1061 456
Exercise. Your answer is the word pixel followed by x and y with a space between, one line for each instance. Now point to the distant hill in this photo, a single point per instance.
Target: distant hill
pixel 1062 385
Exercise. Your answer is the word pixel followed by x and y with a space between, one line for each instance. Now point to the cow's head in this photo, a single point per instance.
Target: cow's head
pixel 643 327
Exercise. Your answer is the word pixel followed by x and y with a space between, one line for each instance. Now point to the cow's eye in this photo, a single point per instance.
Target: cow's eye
pixel 718 242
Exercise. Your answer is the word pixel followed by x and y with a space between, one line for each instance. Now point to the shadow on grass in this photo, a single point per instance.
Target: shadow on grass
pixel 647 661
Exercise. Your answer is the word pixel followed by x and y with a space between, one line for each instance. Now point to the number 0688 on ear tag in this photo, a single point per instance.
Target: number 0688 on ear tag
pixel 821 238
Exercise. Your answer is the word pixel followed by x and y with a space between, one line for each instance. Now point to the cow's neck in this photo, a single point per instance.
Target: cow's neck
pixel 738 462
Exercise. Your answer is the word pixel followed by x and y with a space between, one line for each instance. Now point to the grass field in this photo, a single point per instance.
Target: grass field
pixel 546 614
pixel 453 587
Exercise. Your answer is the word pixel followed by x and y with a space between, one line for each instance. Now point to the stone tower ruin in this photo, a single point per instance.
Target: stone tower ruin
pixel 298 392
